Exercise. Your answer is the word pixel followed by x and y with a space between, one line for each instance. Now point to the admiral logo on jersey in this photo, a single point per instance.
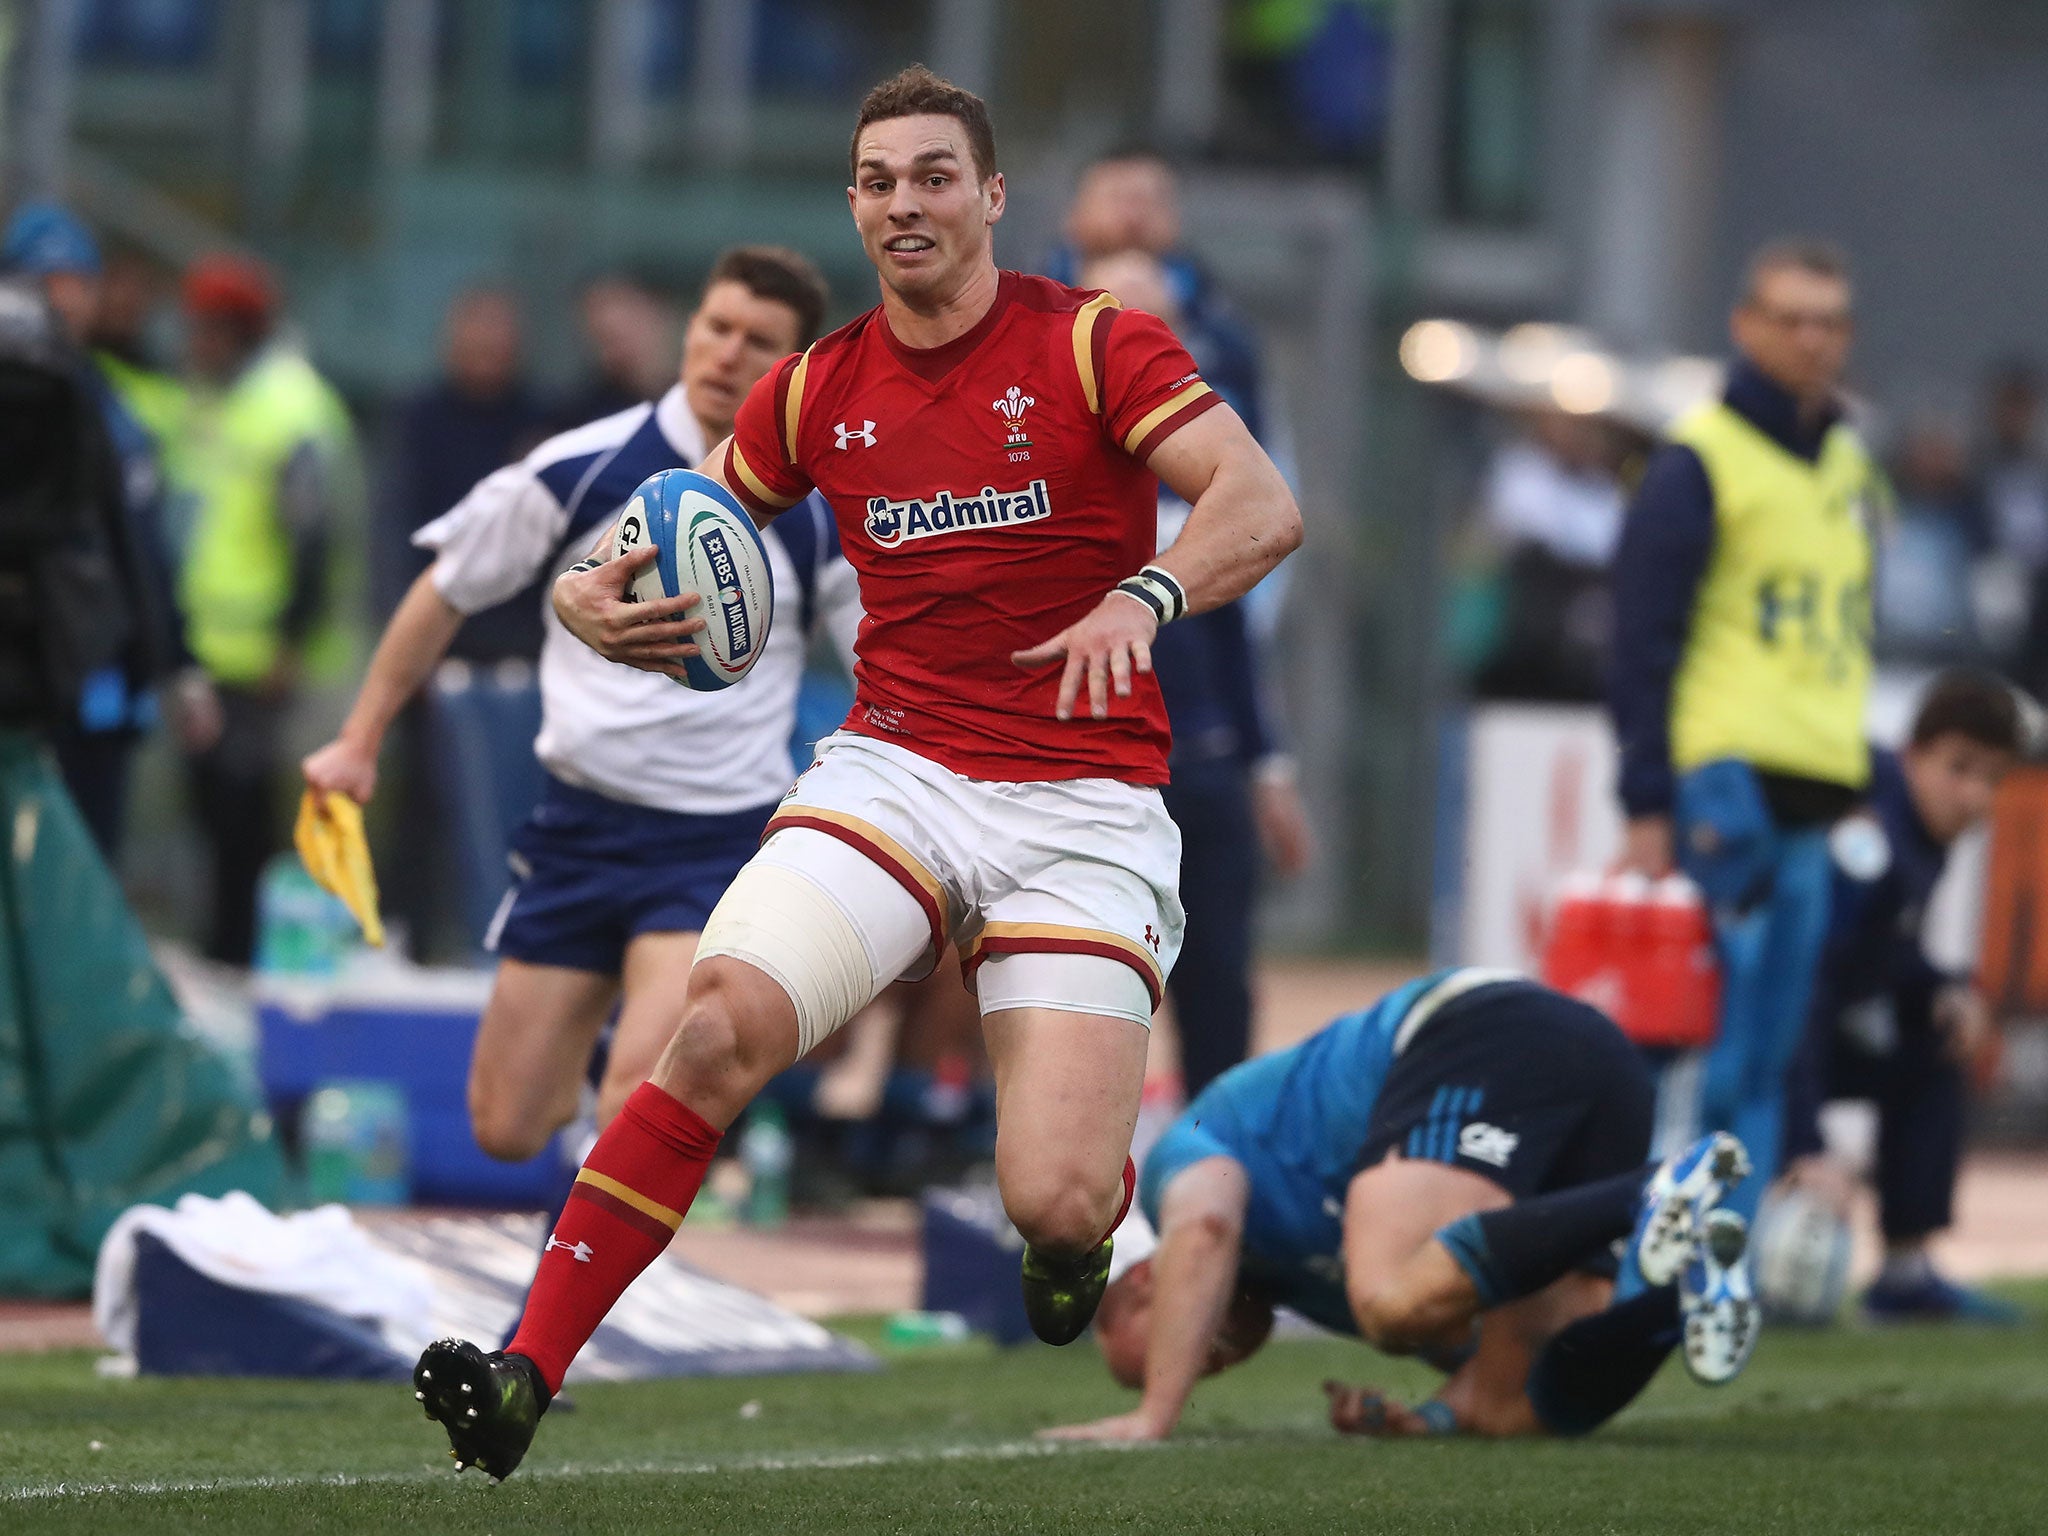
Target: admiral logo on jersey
pixel 890 523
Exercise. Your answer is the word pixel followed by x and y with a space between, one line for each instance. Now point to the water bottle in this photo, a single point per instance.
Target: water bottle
pixel 358 1144
pixel 302 930
pixel 766 1151
pixel 921 1330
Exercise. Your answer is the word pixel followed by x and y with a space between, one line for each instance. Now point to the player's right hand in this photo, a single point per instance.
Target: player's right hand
pixel 1102 652
pixel 653 636
pixel 1647 847
pixel 344 766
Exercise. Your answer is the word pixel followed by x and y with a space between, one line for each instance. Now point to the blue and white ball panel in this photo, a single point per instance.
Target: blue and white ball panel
pixel 705 542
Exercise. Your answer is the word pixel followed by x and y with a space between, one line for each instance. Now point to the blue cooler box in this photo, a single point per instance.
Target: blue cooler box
pixel 412 1028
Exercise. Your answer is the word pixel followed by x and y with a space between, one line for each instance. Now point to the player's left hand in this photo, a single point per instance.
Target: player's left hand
pixel 1135 1426
pixel 1368 1411
pixel 1106 649
pixel 1965 1020
pixel 1282 822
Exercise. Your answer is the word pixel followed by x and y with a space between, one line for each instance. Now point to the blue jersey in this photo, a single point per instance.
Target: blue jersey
pixel 1298 1121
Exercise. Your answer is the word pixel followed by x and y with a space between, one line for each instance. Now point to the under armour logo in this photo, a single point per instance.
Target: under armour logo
pixel 865 436
pixel 581 1251
pixel 1152 938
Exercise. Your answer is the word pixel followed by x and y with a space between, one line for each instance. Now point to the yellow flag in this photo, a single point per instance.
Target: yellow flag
pixel 330 840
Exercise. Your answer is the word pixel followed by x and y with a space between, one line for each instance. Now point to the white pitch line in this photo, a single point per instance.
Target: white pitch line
pixel 1006 1450
pixel 838 1461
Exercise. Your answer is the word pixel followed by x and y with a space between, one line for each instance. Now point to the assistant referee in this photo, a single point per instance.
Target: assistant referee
pixel 1742 644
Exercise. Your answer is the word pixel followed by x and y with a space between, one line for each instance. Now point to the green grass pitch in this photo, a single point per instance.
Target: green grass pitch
pixel 1851 1431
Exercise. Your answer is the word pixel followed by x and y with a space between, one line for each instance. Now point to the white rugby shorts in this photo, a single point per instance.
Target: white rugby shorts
pixel 1058 867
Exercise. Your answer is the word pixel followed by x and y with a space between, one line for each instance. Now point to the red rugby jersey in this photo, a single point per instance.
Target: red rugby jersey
pixel 988 493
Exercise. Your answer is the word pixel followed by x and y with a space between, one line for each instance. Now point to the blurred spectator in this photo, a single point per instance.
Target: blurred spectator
pixel 1232 790
pixel 1313 77
pixel 1551 508
pixel 477 416
pixel 632 336
pixel 131 293
pixel 1891 1026
pixel 1129 201
pixel 265 453
pixel 2012 589
pixel 1923 596
pixel 118 701
pixel 1742 677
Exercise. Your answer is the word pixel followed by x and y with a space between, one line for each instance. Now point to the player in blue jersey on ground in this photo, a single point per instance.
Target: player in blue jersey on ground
pixel 1445 1174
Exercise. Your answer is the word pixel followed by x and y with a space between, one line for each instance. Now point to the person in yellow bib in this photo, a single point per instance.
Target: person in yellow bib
pixel 1742 666
pixel 260 460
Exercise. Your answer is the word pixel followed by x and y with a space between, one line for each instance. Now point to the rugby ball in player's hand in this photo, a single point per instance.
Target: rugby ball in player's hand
pixel 705 543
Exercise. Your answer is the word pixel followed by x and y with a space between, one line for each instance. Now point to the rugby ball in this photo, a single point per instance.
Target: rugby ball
pixel 1799 1257
pixel 705 543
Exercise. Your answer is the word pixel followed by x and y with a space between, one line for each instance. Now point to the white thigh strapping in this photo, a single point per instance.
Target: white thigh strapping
pixel 1070 983
pixel 826 923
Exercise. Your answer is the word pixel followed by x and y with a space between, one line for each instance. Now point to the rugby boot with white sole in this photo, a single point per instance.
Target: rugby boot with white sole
pixel 1061 1295
pixel 489 1404
pixel 1676 1203
pixel 1717 1302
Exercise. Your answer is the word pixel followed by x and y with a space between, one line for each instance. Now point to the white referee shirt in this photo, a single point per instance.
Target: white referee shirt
pixel 631 735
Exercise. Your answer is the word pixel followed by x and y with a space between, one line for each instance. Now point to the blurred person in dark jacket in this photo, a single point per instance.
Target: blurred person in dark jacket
pixel 2012 486
pixel 1232 791
pixel 1923 598
pixel 1889 1024
pixel 632 336
pixel 118 701
pixel 1130 201
pixel 479 414
pixel 1551 508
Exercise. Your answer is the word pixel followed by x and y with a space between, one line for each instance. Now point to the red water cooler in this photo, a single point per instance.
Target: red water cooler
pixel 1640 951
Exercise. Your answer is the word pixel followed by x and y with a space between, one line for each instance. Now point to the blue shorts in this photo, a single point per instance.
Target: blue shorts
pixel 590 874
pixel 1527 1088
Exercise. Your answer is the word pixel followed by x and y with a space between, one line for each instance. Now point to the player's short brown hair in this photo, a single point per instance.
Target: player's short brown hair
pixel 1801 253
pixel 778 273
pixel 1973 705
pixel 917 92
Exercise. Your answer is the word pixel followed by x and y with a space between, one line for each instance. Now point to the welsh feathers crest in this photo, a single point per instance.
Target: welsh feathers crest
pixel 1011 408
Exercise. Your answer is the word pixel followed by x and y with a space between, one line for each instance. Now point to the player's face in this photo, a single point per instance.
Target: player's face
pixel 1123 1328
pixel 1953 781
pixel 925 217
pixel 1796 327
pixel 734 338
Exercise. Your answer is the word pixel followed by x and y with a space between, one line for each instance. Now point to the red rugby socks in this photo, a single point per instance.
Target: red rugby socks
pixel 625 1206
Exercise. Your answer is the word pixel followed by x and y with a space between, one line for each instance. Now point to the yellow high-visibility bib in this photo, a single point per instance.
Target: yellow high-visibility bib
pixel 1776 668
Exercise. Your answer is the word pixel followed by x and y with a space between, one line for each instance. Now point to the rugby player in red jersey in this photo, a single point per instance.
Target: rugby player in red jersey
pixel 991 445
